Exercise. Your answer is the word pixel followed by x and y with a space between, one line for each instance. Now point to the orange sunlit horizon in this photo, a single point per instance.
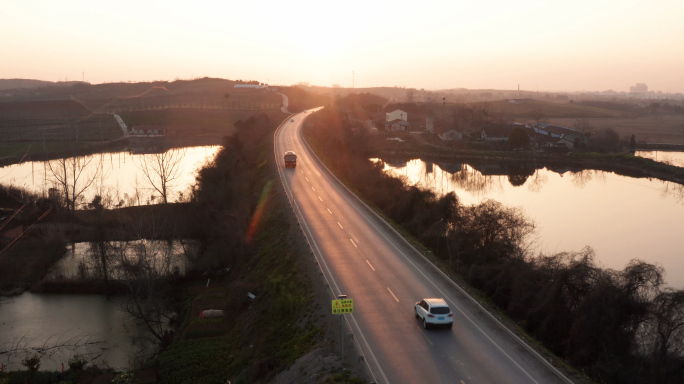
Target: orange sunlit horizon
pixel 539 45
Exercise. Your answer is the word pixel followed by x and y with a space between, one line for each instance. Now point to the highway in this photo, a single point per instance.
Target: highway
pixel 368 261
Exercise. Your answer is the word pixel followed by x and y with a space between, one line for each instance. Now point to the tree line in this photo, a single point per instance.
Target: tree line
pixel 129 247
pixel 616 326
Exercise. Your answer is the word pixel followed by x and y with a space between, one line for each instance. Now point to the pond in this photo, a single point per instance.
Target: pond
pixel 620 217
pixel 64 325
pixel 92 326
pixel 118 175
pixel 81 261
pixel 667 157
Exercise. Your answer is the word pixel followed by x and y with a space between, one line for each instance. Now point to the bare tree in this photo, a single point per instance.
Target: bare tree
pixel 160 170
pixel 538 116
pixel 147 268
pixel 73 176
pixel 584 126
pixel 667 332
pixel 82 344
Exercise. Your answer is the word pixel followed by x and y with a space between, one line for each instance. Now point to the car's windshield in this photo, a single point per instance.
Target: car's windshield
pixel 439 310
pixel 290 157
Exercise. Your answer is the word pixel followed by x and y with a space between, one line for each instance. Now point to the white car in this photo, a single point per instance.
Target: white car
pixel 434 312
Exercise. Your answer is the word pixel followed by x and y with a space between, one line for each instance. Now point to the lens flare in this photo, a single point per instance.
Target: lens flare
pixel 259 211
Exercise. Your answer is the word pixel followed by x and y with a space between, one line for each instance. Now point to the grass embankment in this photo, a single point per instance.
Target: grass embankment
pixel 257 338
pixel 593 318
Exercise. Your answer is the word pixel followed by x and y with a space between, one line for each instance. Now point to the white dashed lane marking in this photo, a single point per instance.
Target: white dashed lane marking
pixel 392 293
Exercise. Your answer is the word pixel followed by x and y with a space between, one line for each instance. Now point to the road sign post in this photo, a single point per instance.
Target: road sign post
pixel 342 305
pixel 339 307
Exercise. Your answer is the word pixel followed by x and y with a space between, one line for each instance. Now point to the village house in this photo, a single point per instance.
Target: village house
pixel 442 130
pixel 397 125
pixel 430 124
pixel 397 114
pixel 569 137
pixel 499 132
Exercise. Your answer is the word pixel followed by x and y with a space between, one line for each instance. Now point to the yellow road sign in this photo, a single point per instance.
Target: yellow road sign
pixel 340 307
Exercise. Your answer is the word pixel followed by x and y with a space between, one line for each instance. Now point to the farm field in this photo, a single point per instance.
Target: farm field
pixel 194 121
pixel 649 129
pixel 38 121
pixel 524 109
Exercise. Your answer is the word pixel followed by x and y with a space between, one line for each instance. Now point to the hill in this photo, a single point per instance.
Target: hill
pixel 37 121
pixel 6 84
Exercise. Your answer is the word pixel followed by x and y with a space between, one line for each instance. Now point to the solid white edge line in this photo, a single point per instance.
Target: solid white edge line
pixel 321 262
pixel 470 320
pixel 328 174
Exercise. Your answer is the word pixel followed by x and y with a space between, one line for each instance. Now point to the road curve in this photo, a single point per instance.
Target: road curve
pixel 364 258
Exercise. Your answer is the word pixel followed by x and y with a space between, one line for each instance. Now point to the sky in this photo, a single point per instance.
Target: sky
pixel 580 45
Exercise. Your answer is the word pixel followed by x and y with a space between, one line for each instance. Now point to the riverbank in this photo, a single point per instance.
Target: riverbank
pixel 621 163
pixel 25 265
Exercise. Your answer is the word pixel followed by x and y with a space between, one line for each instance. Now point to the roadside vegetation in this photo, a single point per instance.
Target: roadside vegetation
pixel 237 232
pixel 615 326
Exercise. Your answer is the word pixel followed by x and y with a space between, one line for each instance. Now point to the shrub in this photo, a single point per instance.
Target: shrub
pixel 77 362
pixel 125 377
pixel 32 363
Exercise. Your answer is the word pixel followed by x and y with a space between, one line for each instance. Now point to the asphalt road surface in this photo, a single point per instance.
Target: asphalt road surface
pixel 365 259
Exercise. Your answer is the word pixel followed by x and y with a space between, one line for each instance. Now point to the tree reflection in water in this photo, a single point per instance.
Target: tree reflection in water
pixel 573 207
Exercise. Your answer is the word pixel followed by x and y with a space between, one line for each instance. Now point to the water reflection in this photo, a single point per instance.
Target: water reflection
pixel 667 157
pixel 64 325
pixel 621 217
pixel 119 178
pixel 82 260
